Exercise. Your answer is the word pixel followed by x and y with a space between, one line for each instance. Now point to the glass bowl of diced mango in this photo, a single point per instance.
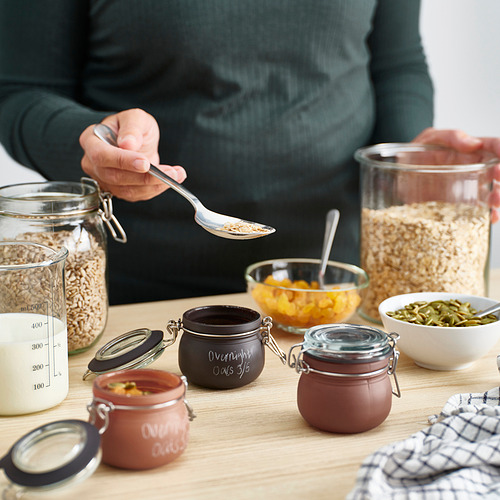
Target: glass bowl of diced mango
pixel 288 290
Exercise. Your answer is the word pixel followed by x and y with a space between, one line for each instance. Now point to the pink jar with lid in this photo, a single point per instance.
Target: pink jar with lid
pixel 344 384
pixel 141 431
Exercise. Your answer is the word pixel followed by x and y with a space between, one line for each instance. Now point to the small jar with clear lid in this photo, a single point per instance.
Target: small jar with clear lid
pixel 68 214
pixel 344 385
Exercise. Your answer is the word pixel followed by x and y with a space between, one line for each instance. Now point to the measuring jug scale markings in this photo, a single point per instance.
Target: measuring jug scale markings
pixel 33 330
pixel 33 362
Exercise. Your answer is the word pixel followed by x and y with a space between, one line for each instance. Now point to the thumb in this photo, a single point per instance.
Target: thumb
pixel 129 137
pixel 135 130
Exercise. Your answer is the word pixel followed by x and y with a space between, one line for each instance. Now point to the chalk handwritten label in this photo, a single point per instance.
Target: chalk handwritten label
pixel 230 363
pixel 170 436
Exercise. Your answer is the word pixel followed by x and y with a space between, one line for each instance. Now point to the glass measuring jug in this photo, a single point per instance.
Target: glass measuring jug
pixel 33 331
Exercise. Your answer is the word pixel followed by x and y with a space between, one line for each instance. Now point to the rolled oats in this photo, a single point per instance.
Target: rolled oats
pixel 423 247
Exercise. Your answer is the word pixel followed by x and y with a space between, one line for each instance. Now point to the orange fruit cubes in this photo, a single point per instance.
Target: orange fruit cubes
pixel 302 304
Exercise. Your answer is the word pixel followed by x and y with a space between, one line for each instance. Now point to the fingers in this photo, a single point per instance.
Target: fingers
pixel 134 129
pixel 456 139
pixel 496 173
pixel 101 155
pixel 131 186
pixel 492 144
pixel 180 174
pixel 494 197
pixel 123 172
pixel 137 131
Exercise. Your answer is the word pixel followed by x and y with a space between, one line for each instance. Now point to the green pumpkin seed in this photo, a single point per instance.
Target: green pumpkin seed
pixel 441 313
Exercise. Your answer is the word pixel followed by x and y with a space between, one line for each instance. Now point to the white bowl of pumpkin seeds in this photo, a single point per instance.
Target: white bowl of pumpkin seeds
pixel 438 330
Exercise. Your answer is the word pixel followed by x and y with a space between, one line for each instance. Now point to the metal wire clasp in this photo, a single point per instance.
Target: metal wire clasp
pixel 106 212
pixel 189 408
pixel 173 328
pixel 393 363
pixel 269 341
pixel 295 361
pixel 99 409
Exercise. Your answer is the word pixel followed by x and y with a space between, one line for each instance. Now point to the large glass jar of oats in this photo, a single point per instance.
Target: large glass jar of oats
pixel 68 214
pixel 425 221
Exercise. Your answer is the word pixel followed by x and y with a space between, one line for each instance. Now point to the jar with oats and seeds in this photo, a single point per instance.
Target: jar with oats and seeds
pixel 425 221
pixel 69 214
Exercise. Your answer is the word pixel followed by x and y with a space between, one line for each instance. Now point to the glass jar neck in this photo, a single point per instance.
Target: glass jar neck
pixel 346 365
pixel 49 199
pixel 221 320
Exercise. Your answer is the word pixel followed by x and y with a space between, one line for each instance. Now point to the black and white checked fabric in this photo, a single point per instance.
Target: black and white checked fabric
pixel 456 457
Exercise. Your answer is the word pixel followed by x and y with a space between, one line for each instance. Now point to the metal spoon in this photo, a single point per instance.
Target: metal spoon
pixel 490 310
pixel 332 221
pixel 211 221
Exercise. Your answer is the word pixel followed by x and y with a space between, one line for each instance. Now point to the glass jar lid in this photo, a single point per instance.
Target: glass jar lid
pixel 53 455
pixel 134 349
pixel 348 342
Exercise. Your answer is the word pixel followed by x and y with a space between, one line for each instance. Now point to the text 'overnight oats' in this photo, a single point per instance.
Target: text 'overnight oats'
pixel 423 247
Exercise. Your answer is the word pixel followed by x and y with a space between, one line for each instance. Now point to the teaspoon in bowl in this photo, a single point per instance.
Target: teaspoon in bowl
pixel 224 226
pixel 490 310
pixel 332 221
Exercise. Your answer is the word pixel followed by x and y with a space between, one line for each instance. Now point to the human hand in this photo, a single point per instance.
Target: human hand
pixel 123 171
pixel 465 143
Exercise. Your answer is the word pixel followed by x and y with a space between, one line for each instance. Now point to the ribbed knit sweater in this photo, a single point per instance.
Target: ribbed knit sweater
pixel 263 102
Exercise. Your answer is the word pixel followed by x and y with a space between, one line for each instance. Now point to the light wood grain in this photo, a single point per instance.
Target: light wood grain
pixel 251 443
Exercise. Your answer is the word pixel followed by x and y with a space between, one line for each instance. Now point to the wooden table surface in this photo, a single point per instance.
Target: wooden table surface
pixel 252 443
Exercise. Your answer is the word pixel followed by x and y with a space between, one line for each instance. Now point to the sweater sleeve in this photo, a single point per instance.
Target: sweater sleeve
pixel 42 51
pixel 402 85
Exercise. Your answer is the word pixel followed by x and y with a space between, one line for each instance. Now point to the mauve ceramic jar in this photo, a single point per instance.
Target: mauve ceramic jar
pixel 344 384
pixel 222 346
pixel 144 431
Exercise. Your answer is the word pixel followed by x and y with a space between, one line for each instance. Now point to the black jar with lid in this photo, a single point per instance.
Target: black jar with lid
pixel 222 347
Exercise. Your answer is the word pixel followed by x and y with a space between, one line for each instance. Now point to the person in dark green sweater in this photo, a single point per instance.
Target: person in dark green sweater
pixel 261 102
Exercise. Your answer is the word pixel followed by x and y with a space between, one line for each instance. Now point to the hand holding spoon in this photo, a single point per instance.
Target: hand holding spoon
pixel 224 226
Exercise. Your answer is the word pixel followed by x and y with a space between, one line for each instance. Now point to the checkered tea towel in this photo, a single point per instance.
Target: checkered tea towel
pixel 457 457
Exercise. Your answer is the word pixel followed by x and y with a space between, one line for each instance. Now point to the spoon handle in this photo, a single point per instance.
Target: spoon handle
pixel 332 220
pixel 490 310
pixel 156 172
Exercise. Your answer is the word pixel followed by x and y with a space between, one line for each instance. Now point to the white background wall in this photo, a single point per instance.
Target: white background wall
pixel 462 41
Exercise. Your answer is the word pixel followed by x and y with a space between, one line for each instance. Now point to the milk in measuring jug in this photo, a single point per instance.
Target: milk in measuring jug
pixel 33 362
